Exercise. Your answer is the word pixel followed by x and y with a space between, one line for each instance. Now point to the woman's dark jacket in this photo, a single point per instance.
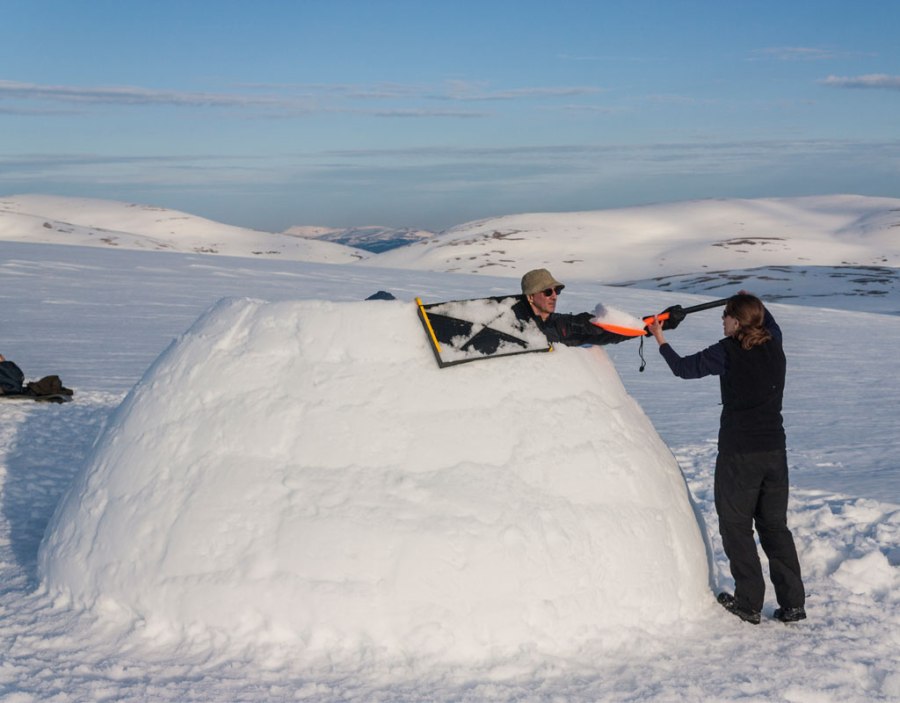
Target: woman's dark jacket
pixel 752 386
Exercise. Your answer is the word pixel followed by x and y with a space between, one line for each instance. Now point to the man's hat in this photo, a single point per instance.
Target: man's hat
pixel 538 280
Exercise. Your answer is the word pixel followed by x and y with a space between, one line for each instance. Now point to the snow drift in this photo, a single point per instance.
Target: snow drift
pixel 303 472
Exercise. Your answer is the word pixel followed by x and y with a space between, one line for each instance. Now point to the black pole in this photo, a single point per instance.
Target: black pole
pixel 706 306
pixel 693 308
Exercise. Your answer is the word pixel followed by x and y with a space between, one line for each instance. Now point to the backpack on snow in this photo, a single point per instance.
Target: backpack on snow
pixel 48 385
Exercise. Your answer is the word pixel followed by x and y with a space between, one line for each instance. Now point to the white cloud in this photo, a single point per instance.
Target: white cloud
pixel 130 95
pixel 466 93
pixel 877 81
pixel 795 53
pixel 284 100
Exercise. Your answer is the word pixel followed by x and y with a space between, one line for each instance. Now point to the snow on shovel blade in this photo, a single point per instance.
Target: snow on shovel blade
pixel 613 320
pixel 622 323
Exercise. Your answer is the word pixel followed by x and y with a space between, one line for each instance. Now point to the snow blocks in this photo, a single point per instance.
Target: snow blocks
pixel 272 484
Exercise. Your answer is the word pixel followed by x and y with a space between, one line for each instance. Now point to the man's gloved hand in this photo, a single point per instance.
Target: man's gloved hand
pixel 676 315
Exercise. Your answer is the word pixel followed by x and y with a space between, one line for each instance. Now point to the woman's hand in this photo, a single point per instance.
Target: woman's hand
pixel 655 329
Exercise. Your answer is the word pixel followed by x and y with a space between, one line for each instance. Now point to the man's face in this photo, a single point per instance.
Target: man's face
pixel 544 302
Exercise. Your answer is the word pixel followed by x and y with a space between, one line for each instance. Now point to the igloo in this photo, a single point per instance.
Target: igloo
pixel 303 472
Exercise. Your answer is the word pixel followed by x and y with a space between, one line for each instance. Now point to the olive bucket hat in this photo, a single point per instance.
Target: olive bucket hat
pixel 538 280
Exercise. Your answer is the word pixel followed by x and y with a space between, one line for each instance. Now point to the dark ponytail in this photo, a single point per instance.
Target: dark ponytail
pixel 750 314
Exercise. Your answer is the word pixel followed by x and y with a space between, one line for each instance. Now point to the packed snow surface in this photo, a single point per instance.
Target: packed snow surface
pixel 100 315
pixel 303 471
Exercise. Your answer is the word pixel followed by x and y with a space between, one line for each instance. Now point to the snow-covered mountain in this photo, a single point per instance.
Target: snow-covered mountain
pixel 633 243
pixel 109 223
pixel 373 238
pixel 842 250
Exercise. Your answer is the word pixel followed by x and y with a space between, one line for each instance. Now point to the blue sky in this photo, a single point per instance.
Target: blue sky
pixel 429 114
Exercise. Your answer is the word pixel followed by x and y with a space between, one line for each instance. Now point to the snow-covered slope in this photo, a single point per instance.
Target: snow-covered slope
pixel 615 246
pixel 100 316
pixel 108 223
pixel 864 288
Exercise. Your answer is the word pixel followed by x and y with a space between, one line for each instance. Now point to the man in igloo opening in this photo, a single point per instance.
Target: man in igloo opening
pixel 302 472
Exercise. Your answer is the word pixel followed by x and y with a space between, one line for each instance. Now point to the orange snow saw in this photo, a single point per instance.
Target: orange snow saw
pixel 636 332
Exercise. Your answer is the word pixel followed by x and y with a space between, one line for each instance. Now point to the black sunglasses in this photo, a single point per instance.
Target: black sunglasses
pixel 550 291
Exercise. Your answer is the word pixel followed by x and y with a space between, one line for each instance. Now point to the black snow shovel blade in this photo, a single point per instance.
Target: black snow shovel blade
pixel 461 331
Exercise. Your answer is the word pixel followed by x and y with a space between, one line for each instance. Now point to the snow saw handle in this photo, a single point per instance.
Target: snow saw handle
pixel 663 316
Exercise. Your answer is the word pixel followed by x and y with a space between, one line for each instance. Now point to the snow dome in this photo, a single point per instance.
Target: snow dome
pixel 303 472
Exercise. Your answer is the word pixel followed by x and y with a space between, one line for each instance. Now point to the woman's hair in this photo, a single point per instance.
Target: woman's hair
pixel 750 314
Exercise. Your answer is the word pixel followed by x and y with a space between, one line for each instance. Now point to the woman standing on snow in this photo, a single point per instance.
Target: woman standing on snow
pixel 751 480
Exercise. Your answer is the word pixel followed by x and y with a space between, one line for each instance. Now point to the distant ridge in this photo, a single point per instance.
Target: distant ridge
pixel 628 244
pixel 843 249
pixel 109 223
